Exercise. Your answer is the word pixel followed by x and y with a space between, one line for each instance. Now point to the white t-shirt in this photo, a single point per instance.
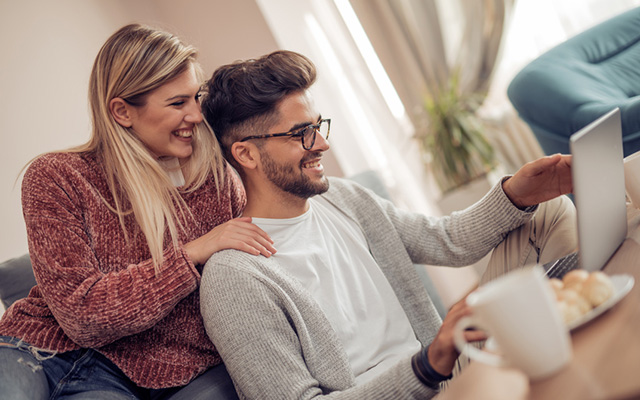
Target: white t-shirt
pixel 328 253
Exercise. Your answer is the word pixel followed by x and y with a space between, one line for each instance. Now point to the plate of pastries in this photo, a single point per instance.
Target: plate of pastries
pixel 582 295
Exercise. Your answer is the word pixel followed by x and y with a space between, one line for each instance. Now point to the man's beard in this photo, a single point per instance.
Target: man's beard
pixel 291 181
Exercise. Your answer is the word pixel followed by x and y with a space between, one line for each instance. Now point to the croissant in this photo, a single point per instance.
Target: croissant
pixel 597 288
pixel 574 279
pixel 580 291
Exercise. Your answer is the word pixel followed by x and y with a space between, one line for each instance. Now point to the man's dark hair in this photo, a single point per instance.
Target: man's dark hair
pixel 241 98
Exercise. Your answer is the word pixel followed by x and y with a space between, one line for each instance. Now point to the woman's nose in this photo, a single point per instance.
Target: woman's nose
pixel 194 114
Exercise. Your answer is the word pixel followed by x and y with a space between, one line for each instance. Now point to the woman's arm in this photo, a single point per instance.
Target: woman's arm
pixel 98 286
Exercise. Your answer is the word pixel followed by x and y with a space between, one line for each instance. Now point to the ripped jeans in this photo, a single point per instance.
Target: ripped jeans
pixel 31 374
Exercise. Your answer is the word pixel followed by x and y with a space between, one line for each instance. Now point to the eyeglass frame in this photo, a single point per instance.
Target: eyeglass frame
pixel 297 132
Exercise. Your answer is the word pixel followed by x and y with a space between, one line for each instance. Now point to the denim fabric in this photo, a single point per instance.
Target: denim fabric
pixel 27 373
pixel 214 384
pixel 21 376
pixel 32 374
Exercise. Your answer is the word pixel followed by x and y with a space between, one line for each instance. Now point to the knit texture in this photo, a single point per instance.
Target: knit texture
pixel 276 341
pixel 97 290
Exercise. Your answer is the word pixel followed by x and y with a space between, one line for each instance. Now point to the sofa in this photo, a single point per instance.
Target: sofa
pixel 581 79
pixel 16 279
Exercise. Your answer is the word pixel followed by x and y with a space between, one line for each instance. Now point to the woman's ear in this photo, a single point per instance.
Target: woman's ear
pixel 121 112
pixel 246 154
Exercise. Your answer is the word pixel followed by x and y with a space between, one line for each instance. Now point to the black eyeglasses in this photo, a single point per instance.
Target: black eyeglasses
pixel 307 133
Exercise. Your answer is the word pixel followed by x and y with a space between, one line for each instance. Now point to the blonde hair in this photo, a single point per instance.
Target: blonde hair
pixel 134 61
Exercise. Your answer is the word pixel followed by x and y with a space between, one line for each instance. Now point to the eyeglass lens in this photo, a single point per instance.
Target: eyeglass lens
pixel 309 134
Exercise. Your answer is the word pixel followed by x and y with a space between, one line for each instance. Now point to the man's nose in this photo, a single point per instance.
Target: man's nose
pixel 321 143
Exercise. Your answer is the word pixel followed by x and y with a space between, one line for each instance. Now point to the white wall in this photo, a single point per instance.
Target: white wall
pixel 47 51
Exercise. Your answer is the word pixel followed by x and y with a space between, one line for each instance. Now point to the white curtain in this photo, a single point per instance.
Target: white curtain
pixel 420 42
pixel 419 51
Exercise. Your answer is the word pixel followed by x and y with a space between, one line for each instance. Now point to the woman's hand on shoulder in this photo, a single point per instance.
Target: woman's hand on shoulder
pixel 238 233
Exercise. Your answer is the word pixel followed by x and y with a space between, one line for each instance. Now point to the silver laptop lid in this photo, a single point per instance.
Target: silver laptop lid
pixel 598 186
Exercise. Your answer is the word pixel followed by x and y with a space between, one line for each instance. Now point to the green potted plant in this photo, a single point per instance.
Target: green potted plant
pixel 453 139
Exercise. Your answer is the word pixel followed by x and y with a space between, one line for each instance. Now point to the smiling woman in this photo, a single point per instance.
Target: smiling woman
pixel 117 247
pixel 166 122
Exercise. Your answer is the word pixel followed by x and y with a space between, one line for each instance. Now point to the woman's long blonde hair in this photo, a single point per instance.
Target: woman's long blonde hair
pixel 134 61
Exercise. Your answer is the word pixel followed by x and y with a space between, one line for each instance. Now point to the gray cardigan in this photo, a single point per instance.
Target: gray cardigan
pixel 273 337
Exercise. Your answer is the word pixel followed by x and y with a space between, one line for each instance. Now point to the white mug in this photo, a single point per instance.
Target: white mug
pixel 519 313
pixel 632 178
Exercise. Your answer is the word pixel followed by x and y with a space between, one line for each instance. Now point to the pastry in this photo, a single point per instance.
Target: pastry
pixel 597 289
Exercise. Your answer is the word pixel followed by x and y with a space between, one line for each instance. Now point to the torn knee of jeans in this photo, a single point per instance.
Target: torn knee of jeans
pixel 38 353
pixel 35 367
pixel 41 354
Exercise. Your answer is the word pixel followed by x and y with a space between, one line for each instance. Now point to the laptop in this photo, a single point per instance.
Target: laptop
pixel 599 192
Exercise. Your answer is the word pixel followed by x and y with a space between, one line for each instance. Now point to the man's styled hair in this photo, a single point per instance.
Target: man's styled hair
pixel 241 98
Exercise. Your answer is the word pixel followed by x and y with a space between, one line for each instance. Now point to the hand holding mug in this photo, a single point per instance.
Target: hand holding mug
pixel 519 312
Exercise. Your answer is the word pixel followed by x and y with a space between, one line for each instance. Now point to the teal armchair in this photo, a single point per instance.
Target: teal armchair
pixel 581 79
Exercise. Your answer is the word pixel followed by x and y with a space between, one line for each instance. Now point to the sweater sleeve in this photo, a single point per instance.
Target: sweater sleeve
pixel 465 236
pixel 273 348
pixel 96 300
pixel 458 239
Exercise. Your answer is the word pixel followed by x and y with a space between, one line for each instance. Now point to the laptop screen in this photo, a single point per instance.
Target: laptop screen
pixel 598 186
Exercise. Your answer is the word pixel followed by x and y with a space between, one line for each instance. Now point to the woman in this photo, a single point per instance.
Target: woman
pixel 118 231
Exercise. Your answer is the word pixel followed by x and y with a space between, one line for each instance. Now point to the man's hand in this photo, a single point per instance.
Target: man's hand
pixel 539 181
pixel 442 351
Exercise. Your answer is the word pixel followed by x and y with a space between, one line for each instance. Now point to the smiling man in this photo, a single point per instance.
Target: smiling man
pixel 291 164
pixel 339 309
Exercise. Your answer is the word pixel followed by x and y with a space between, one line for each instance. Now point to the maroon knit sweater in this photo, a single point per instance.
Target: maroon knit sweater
pixel 97 290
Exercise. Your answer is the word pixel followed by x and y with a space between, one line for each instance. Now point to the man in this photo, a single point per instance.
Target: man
pixel 339 309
